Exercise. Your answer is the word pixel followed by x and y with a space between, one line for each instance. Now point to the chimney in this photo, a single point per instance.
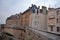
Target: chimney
pixel 38 10
pixel 38 7
pixel 32 5
pixel 50 9
pixel 44 9
pixel 34 9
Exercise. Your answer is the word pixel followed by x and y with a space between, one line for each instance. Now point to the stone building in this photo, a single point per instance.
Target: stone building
pixel 13 21
pixel 34 17
pixel 25 18
pixel 38 18
pixel 13 26
pixel 53 20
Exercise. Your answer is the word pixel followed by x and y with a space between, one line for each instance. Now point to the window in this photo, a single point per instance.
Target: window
pixel 51 27
pixel 58 29
pixel 33 10
pixel 57 12
pixel 57 20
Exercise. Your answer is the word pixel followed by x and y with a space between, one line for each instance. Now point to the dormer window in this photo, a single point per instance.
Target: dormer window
pixel 33 10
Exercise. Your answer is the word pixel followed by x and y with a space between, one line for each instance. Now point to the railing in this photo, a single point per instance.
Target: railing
pixel 51 16
pixel 24 29
pixel 55 33
pixel 51 23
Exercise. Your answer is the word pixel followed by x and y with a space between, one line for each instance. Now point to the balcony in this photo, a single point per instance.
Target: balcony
pixel 52 16
pixel 51 23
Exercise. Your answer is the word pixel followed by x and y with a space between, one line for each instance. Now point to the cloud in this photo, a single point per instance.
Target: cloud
pixel 10 7
pixel 34 0
pixel 51 3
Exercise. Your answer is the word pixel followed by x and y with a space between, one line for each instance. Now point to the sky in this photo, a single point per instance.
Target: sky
pixel 11 7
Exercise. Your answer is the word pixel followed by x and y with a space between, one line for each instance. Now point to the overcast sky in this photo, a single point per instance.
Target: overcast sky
pixel 11 7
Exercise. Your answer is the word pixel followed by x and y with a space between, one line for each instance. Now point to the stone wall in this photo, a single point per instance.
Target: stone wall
pixel 32 35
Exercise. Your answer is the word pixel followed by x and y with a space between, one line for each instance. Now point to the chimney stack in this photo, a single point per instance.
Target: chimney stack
pixel 38 10
pixel 38 7
pixel 44 9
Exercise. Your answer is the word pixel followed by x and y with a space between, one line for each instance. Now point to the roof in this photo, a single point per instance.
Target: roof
pixel 13 17
pixel 33 6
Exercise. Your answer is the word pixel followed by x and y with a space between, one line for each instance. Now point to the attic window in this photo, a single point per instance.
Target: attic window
pixel 33 10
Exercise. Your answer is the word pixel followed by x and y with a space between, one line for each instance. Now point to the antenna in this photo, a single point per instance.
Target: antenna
pixel 44 2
